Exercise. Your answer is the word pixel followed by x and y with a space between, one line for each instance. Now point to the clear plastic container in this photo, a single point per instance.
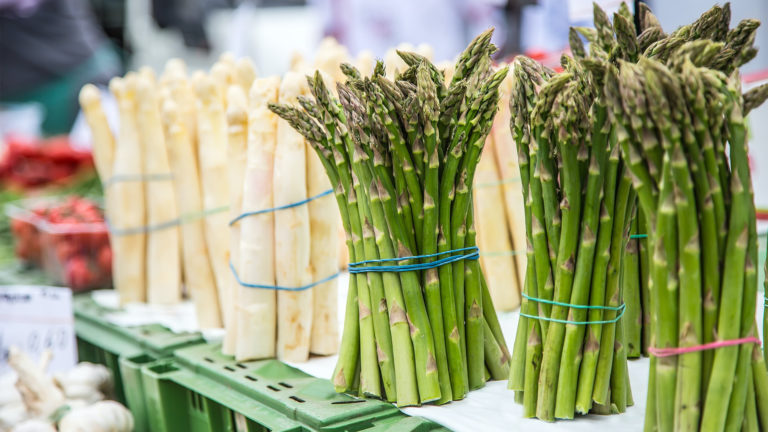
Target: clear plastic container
pixel 72 252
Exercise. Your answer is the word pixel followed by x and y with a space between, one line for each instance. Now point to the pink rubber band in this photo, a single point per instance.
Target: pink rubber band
pixel 668 352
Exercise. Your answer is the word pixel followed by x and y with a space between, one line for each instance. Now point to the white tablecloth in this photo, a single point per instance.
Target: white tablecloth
pixel 491 408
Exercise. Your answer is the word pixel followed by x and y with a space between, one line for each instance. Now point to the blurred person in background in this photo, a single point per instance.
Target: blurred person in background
pixel 48 50
pixel 445 25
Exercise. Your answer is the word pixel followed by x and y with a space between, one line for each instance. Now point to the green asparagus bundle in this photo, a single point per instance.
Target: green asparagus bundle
pixel 401 156
pixel 569 354
pixel 686 151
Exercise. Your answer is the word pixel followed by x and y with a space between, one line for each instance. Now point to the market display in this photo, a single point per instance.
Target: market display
pixel 390 150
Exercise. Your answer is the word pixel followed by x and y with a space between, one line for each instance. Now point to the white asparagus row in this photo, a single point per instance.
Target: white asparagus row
pixel 492 235
pixel 212 156
pixel 198 274
pixel 292 249
pixel 324 228
pixel 163 251
pixel 128 250
pixel 506 160
pixel 257 308
pixel 237 123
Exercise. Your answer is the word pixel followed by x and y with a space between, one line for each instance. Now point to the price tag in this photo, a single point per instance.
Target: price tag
pixel 35 319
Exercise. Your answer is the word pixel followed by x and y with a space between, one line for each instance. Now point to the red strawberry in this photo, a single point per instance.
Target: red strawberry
pixel 78 276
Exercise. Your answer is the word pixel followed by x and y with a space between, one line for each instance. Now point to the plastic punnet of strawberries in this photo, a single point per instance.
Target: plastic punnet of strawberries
pixel 73 243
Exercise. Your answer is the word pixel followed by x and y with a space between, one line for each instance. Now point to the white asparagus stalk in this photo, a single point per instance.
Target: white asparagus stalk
pixel 101 135
pixel 237 123
pixel 222 76
pixel 212 157
pixel 176 74
pixel 426 50
pixel 163 251
pixel 257 309
pixel 506 160
pixel 292 249
pixel 324 245
pixel 245 73
pixel 198 274
pixel 393 62
pixel 298 63
pixel 492 235
pixel 328 59
pixel 128 210
pixel 364 63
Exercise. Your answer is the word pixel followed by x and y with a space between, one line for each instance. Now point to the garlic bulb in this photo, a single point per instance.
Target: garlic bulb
pixel 104 416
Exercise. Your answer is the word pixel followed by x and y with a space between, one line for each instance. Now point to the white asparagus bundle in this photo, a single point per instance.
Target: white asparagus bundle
pixel 128 250
pixel 292 249
pixel 212 156
pixel 163 251
pixel 237 123
pixel 492 236
pixel 257 308
pixel 506 160
pixel 198 274
pixel 324 245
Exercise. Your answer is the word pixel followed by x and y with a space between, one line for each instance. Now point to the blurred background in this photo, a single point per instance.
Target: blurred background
pixel 50 48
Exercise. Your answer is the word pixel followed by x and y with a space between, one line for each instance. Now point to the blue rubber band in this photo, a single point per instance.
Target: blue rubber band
pixel 277 287
pixel 357 267
pixel 638 236
pixel 120 178
pixel 619 309
pixel 283 207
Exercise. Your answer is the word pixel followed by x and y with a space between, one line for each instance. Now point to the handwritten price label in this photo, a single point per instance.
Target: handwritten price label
pixel 35 319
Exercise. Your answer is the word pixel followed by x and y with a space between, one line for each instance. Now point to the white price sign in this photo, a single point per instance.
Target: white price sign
pixel 35 319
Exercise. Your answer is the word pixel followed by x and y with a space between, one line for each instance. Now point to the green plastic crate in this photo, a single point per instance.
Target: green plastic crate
pixel 124 350
pixel 406 424
pixel 211 391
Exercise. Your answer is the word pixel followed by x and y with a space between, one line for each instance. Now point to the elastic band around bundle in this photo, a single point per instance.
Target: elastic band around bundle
pixel 184 218
pixel 621 308
pixel 278 287
pixel 669 352
pixel 124 178
pixel 283 207
pixel 638 236
pixel 357 267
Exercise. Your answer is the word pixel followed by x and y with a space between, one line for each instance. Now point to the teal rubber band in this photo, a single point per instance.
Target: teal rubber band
pixel 638 236
pixel 357 267
pixel 278 287
pixel 575 306
pixel 283 207
pixel 620 309
pixel 121 178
